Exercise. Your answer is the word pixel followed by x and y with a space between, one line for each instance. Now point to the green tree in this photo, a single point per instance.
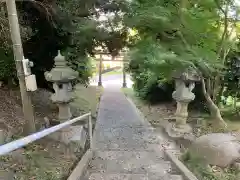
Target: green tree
pixel 72 26
pixel 175 35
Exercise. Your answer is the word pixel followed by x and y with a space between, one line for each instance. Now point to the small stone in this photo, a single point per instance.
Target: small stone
pixel 237 166
pixel 5 175
pixel 80 137
pixel 47 122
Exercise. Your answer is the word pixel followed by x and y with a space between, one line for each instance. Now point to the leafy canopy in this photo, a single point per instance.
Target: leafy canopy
pixel 177 34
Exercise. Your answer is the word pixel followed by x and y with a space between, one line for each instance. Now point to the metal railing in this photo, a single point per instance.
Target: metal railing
pixel 9 147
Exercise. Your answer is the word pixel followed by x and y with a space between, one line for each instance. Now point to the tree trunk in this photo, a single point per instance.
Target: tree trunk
pixel 216 89
pixel 214 110
pixel 235 102
pixel 220 94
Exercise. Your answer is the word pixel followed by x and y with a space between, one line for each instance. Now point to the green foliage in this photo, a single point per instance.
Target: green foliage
pixel 144 67
pixel 71 26
pixel 4 28
pixel 232 75
pixel 7 65
pixel 178 39
pixel 170 39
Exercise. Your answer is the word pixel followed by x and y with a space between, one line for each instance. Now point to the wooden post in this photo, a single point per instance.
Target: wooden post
pixel 2 137
pixel 100 72
pixel 18 56
pixel 124 76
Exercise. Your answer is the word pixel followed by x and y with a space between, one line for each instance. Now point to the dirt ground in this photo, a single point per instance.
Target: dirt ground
pixel 45 159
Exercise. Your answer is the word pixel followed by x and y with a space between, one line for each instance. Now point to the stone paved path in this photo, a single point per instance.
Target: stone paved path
pixel 126 147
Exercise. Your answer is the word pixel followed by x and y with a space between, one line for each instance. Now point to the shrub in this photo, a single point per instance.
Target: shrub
pixel 7 66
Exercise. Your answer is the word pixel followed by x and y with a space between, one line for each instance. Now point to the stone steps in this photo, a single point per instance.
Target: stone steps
pixel 128 146
pixel 139 125
pixel 130 165
pixel 125 146
pixel 128 176
pixel 109 166
pixel 129 155
pixel 129 138
pixel 130 134
pixel 117 176
pixel 129 162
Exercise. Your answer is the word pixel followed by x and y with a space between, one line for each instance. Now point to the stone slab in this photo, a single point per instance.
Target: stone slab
pixel 127 146
pixel 143 156
pixel 130 166
pixel 104 176
pixel 72 134
pixel 140 134
pixel 165 177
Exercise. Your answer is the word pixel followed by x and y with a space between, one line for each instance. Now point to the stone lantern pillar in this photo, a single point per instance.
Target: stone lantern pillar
pixel 62 76
pixel 184 82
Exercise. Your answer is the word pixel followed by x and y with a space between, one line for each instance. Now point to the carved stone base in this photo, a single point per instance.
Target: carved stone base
pixel 64 113
pixel 183 131
pixel 182 128
pixel 181 113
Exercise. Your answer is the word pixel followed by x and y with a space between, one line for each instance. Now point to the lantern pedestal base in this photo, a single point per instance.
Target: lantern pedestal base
pixel 64 113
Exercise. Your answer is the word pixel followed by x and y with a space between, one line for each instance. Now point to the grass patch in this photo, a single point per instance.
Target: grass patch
pixel 42 160
pixel 128 92
pixel 205 172
pixel 87 98
pixel 112 73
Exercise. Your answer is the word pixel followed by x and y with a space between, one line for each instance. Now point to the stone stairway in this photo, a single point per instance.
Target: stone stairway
pixel 125 147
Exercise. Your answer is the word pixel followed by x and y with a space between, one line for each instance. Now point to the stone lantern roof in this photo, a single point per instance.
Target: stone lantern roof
pixel 188 74
pixel 61 72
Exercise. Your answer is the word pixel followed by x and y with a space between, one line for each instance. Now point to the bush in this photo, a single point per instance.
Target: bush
pixel 152 91
pixel 7 67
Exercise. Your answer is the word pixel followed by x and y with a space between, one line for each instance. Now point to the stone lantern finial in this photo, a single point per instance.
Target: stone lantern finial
pixel 60 60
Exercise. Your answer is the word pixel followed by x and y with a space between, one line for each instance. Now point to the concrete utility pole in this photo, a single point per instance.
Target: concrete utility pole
pixel 29 126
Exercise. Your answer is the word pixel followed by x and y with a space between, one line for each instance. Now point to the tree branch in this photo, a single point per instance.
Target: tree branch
pixel 224 32
pixel 204 87
pixel 219 6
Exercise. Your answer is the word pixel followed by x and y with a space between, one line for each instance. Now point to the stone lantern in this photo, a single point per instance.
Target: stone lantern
pixel 62 76
pixel 185 83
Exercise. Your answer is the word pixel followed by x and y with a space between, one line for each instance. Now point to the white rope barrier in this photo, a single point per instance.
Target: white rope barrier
pixel 9 147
